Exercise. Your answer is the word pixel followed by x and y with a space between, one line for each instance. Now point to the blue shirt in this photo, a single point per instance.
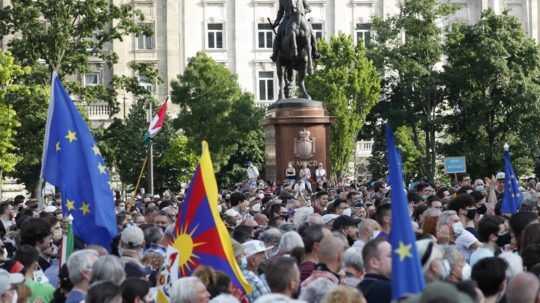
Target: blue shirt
pixel 259 287
pixel 75 296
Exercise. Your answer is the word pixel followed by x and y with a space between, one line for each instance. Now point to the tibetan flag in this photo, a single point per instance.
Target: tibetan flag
pixel 73 163
pixel 157 122
pixel 201 236
pixel 407 275
pixel 512 194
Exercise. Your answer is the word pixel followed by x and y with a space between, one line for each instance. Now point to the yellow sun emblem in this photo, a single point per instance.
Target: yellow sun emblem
pixel 185 246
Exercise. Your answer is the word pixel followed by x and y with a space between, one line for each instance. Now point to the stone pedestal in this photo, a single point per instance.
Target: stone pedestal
pixel 297 131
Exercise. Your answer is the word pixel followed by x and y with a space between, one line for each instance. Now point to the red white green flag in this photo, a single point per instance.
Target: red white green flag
pixel 157 122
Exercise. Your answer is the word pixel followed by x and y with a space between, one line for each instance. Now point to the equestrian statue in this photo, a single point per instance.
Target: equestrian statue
pixel 294 47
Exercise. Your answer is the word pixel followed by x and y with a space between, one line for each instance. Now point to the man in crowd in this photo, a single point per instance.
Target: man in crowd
pixel 79 266
pixel 254 251
pixel 376 286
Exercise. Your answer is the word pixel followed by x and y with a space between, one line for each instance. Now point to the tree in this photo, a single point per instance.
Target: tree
pixel 407 49
pixel 9 71
pixel 180 159
pixel 495 94
pixel 349 85
pixel 213 108
pixel 60 35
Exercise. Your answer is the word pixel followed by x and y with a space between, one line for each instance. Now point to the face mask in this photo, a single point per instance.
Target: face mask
pixel 347 211
pixel 243 262
pixel 15 297
pixel 466 272
pixel 471 213
pixel 482 209
pixel 260 196
pixel 504 239
pixel 457 228
pixel 480 188
pixel 445 269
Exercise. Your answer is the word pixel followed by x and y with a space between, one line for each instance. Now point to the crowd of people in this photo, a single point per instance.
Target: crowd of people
pixel 330 244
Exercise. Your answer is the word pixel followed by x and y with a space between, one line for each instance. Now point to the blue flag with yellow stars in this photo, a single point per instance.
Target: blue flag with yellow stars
pixel 512 195
pixel 73 163
pixel 407 276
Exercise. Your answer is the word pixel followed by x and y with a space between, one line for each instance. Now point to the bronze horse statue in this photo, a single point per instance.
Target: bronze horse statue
pixel 294 48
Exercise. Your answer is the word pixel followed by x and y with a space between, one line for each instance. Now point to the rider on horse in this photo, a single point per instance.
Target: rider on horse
pixel 285 11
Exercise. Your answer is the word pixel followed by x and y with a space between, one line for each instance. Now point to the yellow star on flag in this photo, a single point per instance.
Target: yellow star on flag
pixel 96 150
pixel 57 146
pixel 404 251
pixel 102 168
pixel 70 205
pixel 85 208
pixel 71 136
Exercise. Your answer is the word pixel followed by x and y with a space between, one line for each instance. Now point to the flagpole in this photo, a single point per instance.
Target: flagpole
pixel 151 156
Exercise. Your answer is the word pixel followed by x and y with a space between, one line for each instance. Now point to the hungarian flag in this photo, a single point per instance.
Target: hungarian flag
pixel 157 122
pixel 68 242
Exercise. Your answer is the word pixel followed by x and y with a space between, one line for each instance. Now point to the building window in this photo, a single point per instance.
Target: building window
pixel 363 33
pixel 318 30
pixel 215 35
pixel 146 42
pixel 92 79
pixel 145 83
pixel 266 86
pixel 266 35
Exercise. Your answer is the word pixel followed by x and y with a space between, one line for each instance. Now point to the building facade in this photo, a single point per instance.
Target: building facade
pixel 237 33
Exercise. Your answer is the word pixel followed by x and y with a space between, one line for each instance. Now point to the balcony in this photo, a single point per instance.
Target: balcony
pixel 263 104
pixel 98 112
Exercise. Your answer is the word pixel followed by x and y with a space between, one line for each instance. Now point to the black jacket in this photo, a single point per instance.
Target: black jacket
pixel 376 288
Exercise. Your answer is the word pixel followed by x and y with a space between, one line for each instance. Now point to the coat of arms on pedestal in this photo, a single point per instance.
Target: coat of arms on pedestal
pixel 304 145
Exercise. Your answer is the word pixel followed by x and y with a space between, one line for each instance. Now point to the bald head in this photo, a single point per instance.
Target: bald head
pixel 523 288
pixel 331 249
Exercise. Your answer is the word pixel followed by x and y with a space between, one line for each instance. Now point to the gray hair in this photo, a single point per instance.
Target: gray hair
pixel 353 258
pixel 79 262
pixel 152 235
pixel 184 290
pixel 444 218
pixel 271 236
pixel 108 268
pixel 289 241
pixel 316 290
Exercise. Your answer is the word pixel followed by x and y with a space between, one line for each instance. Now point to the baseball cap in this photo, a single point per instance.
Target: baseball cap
pixel 500 175
pixel 329 217
pixel 7 279
pixel 132 236
pixel 50 209
pixel 345 221
pixel 253 247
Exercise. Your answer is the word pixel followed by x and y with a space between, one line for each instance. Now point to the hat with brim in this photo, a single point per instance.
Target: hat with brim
pixel 254 247
pixel 7 280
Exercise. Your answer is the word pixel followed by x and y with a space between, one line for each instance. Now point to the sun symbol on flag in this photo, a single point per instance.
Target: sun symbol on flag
pixel 185 246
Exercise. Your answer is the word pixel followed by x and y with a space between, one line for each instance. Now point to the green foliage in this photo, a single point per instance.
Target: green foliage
pixel 492 77
pixel 180 158
pixel 213 108
pixel 61 35
pixel 349 85
pixel 407 49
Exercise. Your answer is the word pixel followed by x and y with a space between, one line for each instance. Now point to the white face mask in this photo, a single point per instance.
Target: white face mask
pixel 347 211
pixel 457 228
pixel 466 272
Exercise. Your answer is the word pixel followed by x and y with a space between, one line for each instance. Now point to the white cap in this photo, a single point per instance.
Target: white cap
pixel 232 213
pixel 253 247
pixel 50 209
pixel 132 236
pixel 500 175
pixel 329 217
pixel 7 279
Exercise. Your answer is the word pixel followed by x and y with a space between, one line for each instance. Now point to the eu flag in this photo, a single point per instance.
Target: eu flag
pixel 512 195
pixel 201 235
pixel 73 163
pixel 407 276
